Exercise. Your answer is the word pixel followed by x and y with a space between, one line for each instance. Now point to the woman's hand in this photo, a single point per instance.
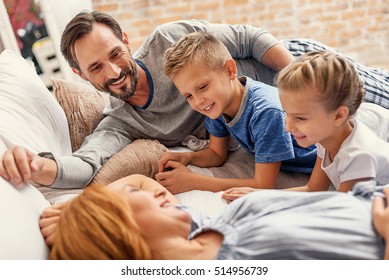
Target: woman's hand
pixel 48 222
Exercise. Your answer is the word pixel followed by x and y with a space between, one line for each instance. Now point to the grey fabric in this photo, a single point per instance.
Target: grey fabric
pixel 274 224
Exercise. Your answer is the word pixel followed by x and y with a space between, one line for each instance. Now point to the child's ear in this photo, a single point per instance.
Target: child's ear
pixel 230 67
pixel 341 115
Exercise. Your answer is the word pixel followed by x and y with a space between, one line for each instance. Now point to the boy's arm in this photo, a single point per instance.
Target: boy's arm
pixel 265 178
pixel 181 179
pixel 214 155
pixel 318 181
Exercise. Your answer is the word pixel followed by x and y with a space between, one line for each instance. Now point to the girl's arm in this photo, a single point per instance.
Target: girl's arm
pixel 348 185
pixel 318 181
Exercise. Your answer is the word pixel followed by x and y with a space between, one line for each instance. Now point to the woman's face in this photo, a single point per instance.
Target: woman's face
pixel 153 212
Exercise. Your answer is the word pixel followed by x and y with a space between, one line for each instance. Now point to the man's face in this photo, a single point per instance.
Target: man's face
pixel 106 62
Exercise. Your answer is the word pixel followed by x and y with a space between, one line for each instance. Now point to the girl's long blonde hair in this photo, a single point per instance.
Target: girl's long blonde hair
pixel 98 224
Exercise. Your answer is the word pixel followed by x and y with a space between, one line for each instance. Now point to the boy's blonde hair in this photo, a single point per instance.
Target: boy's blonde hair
pixel 195 47
pixel 332 75
pixel 96 225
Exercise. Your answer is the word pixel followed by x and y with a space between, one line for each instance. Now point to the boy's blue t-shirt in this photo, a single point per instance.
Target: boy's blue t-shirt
pixel 259 127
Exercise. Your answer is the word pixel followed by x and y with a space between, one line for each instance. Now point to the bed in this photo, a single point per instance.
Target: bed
pixel 57 122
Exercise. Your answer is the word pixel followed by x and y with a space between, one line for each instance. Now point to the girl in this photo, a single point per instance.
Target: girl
pixel 320 94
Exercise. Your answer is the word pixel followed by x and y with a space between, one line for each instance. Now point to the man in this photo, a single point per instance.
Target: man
pixel 144 102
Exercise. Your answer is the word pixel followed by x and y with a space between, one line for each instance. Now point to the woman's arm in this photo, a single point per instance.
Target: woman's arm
pixel 381 218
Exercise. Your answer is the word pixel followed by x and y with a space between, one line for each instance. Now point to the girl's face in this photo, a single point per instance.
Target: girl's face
pixel 153 212
pixel 307 119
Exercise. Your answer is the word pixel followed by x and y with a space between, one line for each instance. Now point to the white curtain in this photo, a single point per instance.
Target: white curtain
pixel 7 36
pixel 56 15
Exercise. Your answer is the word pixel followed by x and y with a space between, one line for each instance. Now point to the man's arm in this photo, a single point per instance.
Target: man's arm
pixel 242 41
pixel 77 170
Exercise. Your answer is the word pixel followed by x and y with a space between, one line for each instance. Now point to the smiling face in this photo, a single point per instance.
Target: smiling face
pixel 153 212
pixel 306 119
pixel 106 62
pixel 208 91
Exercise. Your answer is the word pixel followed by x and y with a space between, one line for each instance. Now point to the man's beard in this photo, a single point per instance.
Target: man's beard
pixel 125 92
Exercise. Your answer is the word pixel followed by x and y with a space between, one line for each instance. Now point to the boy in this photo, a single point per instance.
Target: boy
pixel 204 72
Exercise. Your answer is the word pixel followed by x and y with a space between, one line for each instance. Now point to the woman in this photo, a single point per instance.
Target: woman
pixel 122 221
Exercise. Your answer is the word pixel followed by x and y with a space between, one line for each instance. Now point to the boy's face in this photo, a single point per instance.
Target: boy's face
pixel 208 91
pixel 306 118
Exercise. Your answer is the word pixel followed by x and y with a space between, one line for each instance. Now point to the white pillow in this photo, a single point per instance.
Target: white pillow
pixel 29 116
pixel 210 203
pixel 20 208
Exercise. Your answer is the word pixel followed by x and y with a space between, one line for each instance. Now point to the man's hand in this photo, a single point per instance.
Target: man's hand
pixel 20 165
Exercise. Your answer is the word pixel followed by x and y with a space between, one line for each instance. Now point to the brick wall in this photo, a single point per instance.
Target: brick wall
pixel 358 28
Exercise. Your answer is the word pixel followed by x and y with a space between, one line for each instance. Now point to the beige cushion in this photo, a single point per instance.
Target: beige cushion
pixel 140 157
pixel 83 106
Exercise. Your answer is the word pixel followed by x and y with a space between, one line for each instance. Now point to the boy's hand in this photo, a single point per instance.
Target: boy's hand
pixel 179 179
pixel 234 193
pixel 177 157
